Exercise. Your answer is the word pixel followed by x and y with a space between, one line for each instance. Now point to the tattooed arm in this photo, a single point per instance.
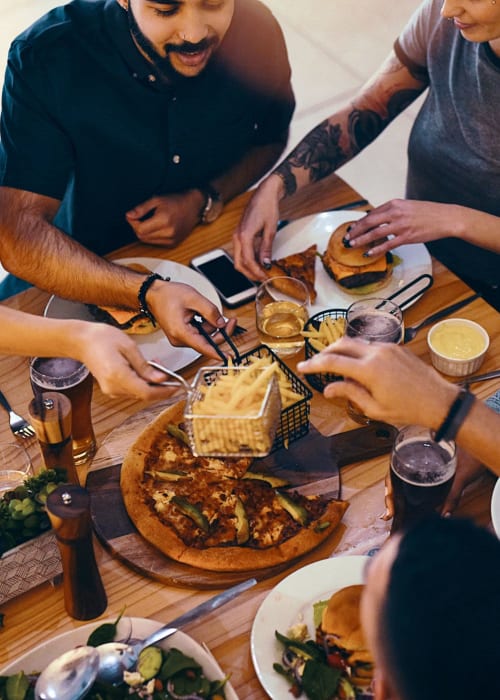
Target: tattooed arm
pixel 328 146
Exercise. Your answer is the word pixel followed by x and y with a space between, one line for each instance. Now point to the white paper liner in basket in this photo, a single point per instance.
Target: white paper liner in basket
pixel 227 434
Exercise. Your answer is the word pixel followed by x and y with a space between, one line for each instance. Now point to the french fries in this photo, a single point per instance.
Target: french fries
pixel 235 415
pixel 287 393
pixel 328 332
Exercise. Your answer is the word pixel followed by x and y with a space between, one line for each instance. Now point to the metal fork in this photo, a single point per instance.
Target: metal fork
pixel 19 425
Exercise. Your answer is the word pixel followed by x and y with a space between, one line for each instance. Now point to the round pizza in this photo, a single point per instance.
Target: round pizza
pixel 215 513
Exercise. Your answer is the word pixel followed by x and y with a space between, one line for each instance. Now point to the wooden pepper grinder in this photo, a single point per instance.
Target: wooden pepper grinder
pixel 50 415
pixel 68 507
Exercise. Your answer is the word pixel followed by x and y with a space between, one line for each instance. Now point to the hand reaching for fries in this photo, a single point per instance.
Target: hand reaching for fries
pixel 329 331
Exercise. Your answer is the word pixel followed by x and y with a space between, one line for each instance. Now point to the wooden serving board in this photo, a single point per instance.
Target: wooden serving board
pixel 310 465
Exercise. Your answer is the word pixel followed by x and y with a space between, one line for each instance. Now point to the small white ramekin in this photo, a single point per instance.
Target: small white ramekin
pixel 453 366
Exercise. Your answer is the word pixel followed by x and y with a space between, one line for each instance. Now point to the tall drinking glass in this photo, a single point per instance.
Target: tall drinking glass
pixel 281 311
pixel 373 319
pixel 73 379
pixel 15 466
pixel 422 473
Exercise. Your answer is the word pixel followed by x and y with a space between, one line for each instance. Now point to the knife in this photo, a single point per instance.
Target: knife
pixel 200 610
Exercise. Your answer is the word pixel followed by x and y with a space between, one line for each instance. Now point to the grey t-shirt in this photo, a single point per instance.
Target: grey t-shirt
pixel 454 146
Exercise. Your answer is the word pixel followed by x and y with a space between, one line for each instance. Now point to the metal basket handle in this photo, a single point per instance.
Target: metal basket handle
pixel 180 380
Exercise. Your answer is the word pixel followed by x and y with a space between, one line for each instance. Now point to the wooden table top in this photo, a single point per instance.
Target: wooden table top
pixel 40 615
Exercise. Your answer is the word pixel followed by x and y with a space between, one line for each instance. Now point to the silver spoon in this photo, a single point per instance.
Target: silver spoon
pixel 70 676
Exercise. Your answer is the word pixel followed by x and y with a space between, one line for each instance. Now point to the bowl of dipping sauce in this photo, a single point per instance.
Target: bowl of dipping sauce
pixel 457 346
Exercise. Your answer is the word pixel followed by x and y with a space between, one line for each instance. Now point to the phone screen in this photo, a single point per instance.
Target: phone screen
pixel 222 273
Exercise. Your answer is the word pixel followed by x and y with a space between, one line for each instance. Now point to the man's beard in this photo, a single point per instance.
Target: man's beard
pixel 162 63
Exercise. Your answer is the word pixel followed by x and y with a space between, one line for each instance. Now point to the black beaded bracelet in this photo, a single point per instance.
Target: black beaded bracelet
pixel 141 297
pixel 456 416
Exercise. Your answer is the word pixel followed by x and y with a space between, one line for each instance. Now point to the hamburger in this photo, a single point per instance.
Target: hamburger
pixel 129 321
pixel 341 633
pixel 351 269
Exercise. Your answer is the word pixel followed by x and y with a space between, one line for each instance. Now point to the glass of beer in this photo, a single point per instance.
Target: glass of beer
pixel 73 379
pixel 373 319
pixel 15 466
pixel 422 473
pixel 281 309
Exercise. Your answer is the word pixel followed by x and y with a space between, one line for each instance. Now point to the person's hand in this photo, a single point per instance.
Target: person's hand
pixel 166 220
pixel 469 469
pixel 174 305
pixel 253 239
pixel 386 381
pixel 114 359
pixel 405 221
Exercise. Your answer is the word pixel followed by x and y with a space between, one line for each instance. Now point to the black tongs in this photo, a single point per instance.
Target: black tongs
pixel 197 321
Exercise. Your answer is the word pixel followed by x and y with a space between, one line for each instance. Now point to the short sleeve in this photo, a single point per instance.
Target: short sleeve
pixel 412 44
pixel 494 402
pixel 35 153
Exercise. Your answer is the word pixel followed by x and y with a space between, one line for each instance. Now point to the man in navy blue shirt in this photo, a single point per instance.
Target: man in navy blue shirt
pixel 134 119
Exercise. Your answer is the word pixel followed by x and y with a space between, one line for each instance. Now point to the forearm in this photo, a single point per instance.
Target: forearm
pixel 32 248
pixel 27 334
pixel 347 132
pixel 478 228
pixel 251 168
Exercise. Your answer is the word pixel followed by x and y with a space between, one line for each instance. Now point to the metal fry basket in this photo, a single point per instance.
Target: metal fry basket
pixel 230 411
pixel 294 420
pixel 225 431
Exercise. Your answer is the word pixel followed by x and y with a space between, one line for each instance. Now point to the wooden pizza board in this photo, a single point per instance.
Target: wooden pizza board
pixel 310 464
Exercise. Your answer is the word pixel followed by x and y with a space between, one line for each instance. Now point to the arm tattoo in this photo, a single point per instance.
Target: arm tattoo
pixel 320 153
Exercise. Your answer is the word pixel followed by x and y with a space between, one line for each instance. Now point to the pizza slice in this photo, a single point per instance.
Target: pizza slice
pixel 299 266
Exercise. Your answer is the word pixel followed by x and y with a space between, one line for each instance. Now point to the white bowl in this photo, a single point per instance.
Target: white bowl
pixel 456 360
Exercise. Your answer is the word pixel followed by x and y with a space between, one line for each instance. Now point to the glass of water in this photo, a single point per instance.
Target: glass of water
pixel 15 466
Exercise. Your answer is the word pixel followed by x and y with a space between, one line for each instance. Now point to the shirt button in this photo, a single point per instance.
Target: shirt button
pixel 255 126
pixel 176 159
pixel 174 99
pixel 134 75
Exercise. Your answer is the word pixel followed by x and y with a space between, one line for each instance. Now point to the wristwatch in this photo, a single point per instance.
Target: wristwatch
pixel 213 205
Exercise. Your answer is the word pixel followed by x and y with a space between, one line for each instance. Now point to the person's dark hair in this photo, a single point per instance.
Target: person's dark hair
pixel 440 621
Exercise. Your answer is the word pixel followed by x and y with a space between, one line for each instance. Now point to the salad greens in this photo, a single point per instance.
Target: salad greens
pixel 161 675
pixel 22 510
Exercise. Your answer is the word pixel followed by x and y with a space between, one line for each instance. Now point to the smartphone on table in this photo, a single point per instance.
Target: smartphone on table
pixel 218 267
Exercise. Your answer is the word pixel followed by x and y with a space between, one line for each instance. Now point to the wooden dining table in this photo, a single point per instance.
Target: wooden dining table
pixel 39 614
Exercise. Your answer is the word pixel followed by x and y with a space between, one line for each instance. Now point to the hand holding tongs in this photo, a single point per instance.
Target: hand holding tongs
pixel 197 321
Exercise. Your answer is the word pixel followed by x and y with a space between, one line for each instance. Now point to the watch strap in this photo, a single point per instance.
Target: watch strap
pixel 456 416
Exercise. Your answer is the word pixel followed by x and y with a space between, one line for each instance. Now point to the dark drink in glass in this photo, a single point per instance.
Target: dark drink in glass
pixel 422 473
pixel 370 320
pixel 71 378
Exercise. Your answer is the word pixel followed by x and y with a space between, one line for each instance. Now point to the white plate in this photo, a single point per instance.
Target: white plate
pixel 290 602
pixel 39 657
pixel 495 508
pixel 154 346
pixel 300 234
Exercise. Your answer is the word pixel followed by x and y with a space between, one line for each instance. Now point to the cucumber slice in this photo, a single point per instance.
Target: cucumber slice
pixel 149 662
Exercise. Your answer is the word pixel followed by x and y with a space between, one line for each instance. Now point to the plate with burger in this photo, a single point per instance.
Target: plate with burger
pixel 342 274
pixel 151 339
pixel 307 633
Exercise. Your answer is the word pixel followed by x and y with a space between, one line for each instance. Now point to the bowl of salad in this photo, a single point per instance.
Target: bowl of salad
pixel 183 668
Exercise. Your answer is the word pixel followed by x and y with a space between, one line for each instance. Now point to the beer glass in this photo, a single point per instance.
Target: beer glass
pixel 281 311
pixel 73 379
pixel 422 473
pixel 15 466
pixel 373 319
